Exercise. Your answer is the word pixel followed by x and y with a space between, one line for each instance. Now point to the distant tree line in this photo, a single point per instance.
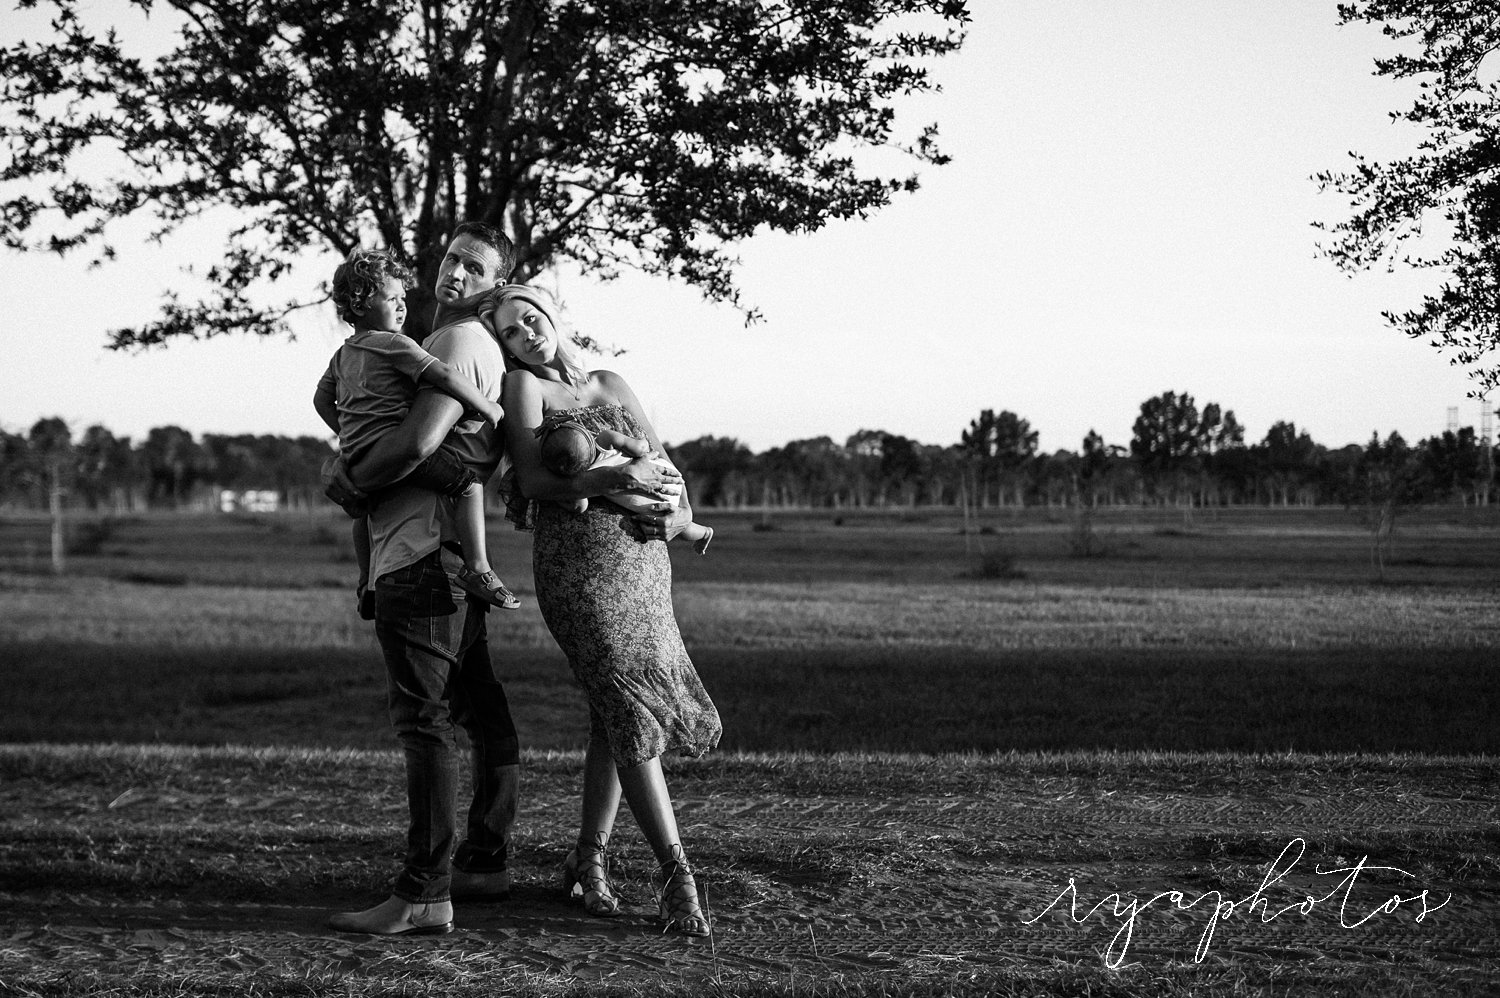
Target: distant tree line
pixel 169 469
pixel 1179 454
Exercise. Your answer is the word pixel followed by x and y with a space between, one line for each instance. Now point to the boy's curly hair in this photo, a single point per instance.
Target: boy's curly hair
pixel 358 278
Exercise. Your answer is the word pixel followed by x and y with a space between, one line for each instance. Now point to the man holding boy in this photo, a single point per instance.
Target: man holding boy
pixel 434 642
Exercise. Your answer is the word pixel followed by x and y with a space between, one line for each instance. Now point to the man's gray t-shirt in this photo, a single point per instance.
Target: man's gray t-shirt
pixel 410 523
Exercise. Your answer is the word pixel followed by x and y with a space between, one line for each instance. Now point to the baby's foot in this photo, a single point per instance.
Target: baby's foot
pixel 702 544
pixel 488 587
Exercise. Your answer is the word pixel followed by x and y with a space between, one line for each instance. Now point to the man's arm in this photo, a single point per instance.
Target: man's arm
pixel 396 454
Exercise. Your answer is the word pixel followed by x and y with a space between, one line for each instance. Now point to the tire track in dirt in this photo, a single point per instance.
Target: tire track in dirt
pixel 876 884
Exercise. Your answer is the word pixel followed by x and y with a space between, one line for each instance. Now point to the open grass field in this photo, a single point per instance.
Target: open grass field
pixel 927 734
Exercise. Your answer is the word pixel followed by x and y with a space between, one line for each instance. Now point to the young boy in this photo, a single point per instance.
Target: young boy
pixel 367 390
pixel 568 448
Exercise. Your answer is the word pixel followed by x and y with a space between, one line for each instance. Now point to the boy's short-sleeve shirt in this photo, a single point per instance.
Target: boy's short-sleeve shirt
pixel 410 523
pixel 373 377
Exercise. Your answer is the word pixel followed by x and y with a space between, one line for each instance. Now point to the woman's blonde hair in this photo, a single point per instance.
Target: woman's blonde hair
pixel 544 303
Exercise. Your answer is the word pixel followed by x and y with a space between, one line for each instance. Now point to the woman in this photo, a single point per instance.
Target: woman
pixel 604 586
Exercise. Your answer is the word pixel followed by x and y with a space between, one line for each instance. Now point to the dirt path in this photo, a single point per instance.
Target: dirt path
pixel 212 864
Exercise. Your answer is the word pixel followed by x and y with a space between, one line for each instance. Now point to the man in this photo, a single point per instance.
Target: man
pixel 432 637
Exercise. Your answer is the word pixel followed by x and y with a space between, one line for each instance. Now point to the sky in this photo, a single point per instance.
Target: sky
pixel 1128 211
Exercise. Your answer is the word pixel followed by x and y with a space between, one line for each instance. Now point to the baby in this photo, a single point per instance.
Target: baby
pixel 567 448
pixel 368 388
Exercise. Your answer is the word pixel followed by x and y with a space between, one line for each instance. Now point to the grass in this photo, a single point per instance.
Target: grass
pixel 1060 673
pixel 873 634
pixel 1234 548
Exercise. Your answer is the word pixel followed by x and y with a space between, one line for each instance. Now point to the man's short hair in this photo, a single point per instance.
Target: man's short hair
pixel 496 240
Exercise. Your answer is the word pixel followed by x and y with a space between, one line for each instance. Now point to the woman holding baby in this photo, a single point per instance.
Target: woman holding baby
pixel 603 584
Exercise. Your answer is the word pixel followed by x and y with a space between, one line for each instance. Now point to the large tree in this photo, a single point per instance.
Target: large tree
pixel 1287 460
pixel 812 472
pixel 106 468
pixel 713 464
pixel 1167 434
pixel 610 134
pixel 1457 466
pixel 1389 477
pixel 1171 439
pixel 1000 446
pixel 1096 473
pixel 1451 180
pixel 174 462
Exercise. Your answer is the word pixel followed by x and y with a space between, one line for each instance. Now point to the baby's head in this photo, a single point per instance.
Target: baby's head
pixel 359 281
pixel 567 449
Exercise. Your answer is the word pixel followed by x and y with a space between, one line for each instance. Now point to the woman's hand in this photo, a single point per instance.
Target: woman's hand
pixel 644 476
pixel 665 522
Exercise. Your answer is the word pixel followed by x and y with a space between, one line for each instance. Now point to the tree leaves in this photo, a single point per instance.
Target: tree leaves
pixel 613 134
pixel 1453 178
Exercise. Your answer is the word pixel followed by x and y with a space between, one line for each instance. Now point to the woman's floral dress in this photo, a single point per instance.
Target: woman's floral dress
pixel 607 599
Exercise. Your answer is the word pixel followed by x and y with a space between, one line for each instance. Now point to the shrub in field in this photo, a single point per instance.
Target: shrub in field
pixel 155 578
pixel 1084 540
pixel 88 537
pixel 325 536
pixel 997 563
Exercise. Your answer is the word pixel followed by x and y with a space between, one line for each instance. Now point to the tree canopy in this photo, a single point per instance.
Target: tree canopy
pixel 612 134
pixel 1453 177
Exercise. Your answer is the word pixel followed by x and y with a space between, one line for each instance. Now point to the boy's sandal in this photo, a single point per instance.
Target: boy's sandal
pixel 487 587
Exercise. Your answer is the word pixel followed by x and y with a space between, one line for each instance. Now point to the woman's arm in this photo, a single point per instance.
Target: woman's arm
pixel 522 400
pixel 446 379
pixel 666 524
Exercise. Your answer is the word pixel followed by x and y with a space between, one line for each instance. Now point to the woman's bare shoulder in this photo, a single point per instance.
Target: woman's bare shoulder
pixel 521 383
pixel 610 382
pixel 520 391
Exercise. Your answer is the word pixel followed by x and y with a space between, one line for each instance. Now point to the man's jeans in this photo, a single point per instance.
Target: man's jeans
pixel 438 666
